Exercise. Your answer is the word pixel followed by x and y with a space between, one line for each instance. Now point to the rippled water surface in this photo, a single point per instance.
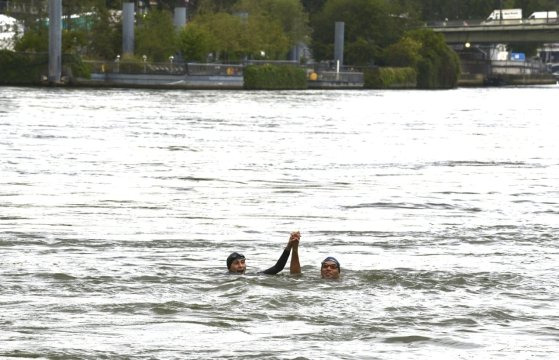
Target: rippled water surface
pixel 119 207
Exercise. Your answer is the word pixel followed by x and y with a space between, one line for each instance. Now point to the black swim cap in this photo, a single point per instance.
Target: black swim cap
pixel 234 256
pixel 332 259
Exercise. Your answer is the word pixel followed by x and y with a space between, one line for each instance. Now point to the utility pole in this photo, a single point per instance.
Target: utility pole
pixel 55 41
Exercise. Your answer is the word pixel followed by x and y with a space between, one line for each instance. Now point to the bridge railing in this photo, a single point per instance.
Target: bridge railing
pixel 484 22
pixel 166 68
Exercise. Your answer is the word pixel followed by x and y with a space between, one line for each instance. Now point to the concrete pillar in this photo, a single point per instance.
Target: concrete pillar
pixel 128 28
pixel 55 41
pixel 339 42
pixel 180 14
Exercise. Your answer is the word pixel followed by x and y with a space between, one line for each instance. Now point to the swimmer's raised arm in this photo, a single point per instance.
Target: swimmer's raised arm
pixel 295 266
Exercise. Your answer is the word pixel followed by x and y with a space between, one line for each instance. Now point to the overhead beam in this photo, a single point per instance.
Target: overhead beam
pixel 548 33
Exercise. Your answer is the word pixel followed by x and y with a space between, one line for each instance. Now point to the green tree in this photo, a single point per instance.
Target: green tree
pixel 214 6
pixel 370 25
pixel 404 53
pixel 33 40
pixel 438 66
pixel 290 14
pixel 438 10
pixel 195 42
pixel 227 31
pixel 156 35
pixel 263 37
pixel 235 37
pixel 105 37
pixel 313 6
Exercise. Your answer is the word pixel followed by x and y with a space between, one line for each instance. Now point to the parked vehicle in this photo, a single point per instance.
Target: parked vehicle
pixel 543 15
pixel 507 14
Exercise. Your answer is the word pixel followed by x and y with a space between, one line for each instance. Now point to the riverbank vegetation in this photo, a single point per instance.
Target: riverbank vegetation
pixel 390 78
pixel 29 68
pixel 274 77
pixel 377 32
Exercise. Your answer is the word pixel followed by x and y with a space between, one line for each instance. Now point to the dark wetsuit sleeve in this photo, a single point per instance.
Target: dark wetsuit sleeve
pixel 279 265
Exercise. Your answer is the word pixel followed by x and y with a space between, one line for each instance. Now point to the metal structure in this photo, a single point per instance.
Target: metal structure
pixel 55 41
pixel 180 15
pixel 504 31
pixel 128 28
pixel 339 42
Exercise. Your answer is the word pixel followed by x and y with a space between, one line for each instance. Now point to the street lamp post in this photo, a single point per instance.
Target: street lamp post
pixel 117 63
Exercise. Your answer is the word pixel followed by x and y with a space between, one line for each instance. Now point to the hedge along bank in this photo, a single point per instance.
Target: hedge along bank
pixel 390 78
pixel 274 77
pixel 32 68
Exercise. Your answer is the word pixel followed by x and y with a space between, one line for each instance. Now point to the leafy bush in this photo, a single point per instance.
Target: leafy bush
pixel 195 42
pixel 390 78
pixel 28 68
pixel 77 67
pixel 437 65
pixel 156 36
pixel 274 77
pixel 19 68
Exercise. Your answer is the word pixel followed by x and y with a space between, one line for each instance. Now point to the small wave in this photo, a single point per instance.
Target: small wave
pixel 287 192
pixel 18 242
pixel 394 205
pixel 168 308
pixel 57 276
pixel 406 339
pixel 441 280
pixel 197 179
pixel 44 136
pixel 458 321
pixel 126 308
pixel 64 355
pixel 13 218
pixel 180 148
pixel 498 314
pixel 515 164
pixel 22 235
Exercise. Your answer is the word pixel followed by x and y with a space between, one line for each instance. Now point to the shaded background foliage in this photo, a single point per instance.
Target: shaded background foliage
pixel 376 31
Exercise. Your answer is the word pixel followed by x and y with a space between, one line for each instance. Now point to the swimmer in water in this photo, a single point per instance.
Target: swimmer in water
pixel 236 262
pixel 330 267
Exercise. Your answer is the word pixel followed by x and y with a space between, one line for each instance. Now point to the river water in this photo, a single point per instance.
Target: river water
pixel 118 209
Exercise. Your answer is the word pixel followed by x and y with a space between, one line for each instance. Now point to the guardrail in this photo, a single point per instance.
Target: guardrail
pixel 202 69
pixel 323 72
pixel 344 77
pixel 192 69
pixel 484 22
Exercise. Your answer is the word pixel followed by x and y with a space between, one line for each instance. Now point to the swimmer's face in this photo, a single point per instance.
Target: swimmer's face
pixel 329 270
pixel 238 266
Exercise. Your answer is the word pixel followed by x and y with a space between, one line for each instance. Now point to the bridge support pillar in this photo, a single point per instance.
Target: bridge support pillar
pixel 127 28
pixel 55 41
pixel 180 14
pixel 339 42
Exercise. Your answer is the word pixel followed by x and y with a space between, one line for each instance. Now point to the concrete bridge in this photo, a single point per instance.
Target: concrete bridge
pixel 494 32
